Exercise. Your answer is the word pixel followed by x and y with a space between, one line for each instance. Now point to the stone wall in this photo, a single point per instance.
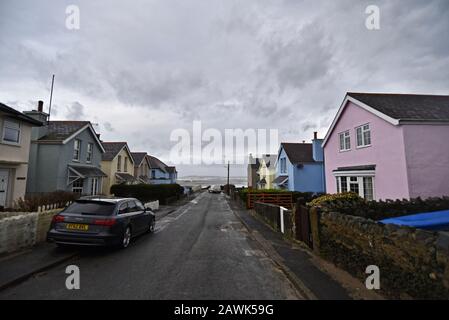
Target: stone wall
pixel 20 230
pixel 413 262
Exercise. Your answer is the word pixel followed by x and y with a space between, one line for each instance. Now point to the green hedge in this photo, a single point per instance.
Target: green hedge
pixel 378 210
pixel 148 192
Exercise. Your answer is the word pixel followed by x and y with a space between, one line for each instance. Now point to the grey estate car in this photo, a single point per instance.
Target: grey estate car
pixel 101 222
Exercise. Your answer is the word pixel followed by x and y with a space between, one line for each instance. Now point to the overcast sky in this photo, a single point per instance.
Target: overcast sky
pixel 140 69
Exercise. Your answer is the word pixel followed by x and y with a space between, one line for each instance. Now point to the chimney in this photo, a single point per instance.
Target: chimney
pixel 39 115
pixel 318 154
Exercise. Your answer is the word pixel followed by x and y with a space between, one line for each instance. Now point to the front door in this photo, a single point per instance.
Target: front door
pixel 4 174
pixel 94 187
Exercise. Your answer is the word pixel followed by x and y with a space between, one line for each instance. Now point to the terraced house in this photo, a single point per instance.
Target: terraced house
pixel 64 155
pixel 118 163
pixel 15 130
pixel 141 167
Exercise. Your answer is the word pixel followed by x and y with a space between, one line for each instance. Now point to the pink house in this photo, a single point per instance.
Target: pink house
pixel 389 146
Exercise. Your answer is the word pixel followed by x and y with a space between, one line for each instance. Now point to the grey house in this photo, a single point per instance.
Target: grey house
pixel 64 155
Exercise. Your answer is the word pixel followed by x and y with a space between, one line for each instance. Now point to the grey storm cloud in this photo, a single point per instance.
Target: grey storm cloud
pixel 231 64
pixel 76 111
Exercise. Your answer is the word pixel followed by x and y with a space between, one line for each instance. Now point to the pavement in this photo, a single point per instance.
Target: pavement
pixel 201 250
pixel 298 263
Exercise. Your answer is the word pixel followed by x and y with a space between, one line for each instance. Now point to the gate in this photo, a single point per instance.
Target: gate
pixel 302 222
pixel 283 199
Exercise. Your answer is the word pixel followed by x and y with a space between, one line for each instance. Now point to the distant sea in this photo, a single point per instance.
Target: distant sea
pixel 205 181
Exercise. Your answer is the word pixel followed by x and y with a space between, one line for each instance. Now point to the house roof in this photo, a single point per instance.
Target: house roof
pixel 138 157
pixel 398 108
pixel 298 152
pixel 64 131
pixel 410 107
pixel 112 149
pixel 61 130
pixel 88 171
pixel 19 115
pixel 155 163
pixel 171 169
pixel 280 180
pixel 125 177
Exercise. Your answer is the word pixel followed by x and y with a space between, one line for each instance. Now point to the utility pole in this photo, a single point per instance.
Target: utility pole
pixel 51 97
pixel 228 180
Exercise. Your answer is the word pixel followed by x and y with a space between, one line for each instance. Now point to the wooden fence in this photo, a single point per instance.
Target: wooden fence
pixel 283 199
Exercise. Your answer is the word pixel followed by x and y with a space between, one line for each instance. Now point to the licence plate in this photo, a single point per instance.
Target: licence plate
pixel 77 226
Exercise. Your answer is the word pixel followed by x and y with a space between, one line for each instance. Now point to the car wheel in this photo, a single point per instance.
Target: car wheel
pixel 152 226
pixel 126 238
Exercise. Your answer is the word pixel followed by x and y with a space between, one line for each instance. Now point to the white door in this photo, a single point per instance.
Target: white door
pixel 3 186
pixel 94 189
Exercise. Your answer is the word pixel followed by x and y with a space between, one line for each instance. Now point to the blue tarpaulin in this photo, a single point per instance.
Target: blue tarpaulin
pixel 437 220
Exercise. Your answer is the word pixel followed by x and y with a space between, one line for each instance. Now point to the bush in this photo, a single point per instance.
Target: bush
pixel 32 202
pixel 378 210
pixel 148 192
pixel 327 198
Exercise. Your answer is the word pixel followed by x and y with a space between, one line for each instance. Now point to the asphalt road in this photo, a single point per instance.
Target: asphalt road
pixel 200 251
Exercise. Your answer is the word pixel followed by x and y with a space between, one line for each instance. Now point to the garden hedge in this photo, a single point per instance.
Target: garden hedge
pixel 148 192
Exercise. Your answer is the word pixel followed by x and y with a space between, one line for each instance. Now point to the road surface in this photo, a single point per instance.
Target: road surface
pixel 200 251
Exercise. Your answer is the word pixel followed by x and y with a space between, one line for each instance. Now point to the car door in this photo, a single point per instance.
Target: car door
pixel 135 216
pixel 146 216
pixel 140 216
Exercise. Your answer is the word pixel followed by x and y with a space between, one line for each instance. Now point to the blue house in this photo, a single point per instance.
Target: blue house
pixel 300 166
pixel 160 172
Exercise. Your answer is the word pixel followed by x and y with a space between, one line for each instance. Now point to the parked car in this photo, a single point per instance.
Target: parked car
pixel 215 189
pixel 101 222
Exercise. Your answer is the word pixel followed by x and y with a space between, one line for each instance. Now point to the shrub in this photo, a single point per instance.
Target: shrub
pixel 148 192
pixel 327 198
pixel 32 202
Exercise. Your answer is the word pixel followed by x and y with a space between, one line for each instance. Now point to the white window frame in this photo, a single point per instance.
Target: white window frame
pixel 90 152
pixel 76 189
pixel 95 186
pixel 76 150
pixel 283 165
pixel 119 163
pixel 359 175
pixel 363 131
pixel 346 144
pixel 13 125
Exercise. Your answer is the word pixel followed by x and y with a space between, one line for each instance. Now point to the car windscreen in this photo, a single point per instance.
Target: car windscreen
pixel 95 208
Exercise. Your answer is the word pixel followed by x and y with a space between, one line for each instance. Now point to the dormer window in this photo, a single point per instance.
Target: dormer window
pixel 76 150
pixel 283 165
pixel 126 165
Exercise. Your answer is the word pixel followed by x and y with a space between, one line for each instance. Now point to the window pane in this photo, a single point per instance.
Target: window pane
pixel 11 135
pixel 344 184
pixel 342 142
pixel 359 137
pixel 354 187
pixel 91 208
pixel 367 137
pixel 368 188
pixel 338 184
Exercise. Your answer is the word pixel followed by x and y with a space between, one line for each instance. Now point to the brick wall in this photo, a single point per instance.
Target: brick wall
pixel 413 262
